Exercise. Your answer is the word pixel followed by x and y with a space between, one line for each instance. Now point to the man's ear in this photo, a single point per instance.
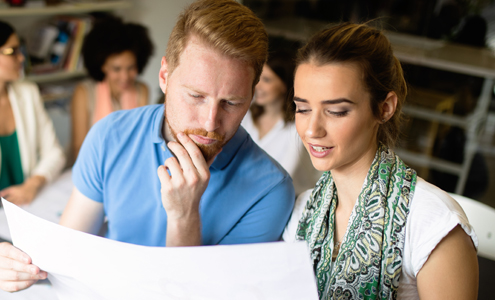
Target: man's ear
pixel 388 107
pixel 163 75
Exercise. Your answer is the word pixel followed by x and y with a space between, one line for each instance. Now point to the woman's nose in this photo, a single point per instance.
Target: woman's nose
pixel 315 128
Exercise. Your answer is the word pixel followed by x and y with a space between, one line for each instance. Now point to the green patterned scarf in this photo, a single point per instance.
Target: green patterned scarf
pixel 369 262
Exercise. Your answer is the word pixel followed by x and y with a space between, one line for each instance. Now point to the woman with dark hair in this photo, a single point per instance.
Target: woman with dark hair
pixel 30 154
pixel 375 230
pixel 270 120
pixel 114 53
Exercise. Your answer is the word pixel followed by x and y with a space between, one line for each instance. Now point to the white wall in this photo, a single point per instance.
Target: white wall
pixel 160 17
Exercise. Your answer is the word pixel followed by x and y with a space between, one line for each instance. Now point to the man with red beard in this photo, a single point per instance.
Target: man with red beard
pixel 183 173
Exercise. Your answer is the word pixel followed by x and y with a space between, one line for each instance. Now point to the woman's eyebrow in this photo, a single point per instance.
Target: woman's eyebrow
pixel 333 101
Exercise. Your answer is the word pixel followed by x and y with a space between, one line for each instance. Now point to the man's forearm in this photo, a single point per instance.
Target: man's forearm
pixel 184 232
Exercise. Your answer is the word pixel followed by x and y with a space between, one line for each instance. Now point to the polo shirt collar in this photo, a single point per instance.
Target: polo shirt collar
pixel 159 118
pixel 222 160
pixel 230 149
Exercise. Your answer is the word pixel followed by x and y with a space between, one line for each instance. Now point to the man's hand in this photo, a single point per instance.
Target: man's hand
pixel 24 193
pixel 16 271
pixel 182 190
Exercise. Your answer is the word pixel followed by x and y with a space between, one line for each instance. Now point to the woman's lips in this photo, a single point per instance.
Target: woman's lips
pixel 319 151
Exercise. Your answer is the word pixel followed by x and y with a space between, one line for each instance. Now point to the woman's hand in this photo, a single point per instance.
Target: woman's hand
pixel 182 190
pixel 16 271
pixel 24 193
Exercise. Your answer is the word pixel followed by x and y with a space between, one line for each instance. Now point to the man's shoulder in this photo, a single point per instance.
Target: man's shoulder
pixel 135 115
pixel 126 126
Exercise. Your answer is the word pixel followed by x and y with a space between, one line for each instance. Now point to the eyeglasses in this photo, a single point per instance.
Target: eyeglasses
pixel 11 51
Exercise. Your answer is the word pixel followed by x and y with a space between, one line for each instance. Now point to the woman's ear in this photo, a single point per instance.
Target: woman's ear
pixel 388 107
pixel 163 75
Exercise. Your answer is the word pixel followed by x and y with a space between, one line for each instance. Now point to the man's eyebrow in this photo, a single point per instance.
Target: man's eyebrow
pixel 333 101
pixel 193 89
pixel 228 98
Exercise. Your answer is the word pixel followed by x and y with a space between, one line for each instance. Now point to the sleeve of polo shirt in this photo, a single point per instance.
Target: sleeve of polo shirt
pixel 87 171
pixel 266 220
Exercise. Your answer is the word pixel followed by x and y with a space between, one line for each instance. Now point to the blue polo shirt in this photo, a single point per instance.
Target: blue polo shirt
pixel 249 197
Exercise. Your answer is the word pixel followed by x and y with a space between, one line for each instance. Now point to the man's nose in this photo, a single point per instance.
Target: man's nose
pixel 212 121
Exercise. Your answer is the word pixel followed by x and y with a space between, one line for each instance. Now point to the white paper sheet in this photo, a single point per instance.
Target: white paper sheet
pixel 48 204
pixel 83 266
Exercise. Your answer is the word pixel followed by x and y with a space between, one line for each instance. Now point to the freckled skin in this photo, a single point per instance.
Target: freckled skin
pixel 207 91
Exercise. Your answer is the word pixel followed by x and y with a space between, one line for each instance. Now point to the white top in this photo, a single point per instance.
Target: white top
pixel 40 151
pixel 433 214
pixel 284 145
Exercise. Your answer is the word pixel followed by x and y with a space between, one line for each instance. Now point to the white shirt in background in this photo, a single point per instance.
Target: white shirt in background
pixel 284 145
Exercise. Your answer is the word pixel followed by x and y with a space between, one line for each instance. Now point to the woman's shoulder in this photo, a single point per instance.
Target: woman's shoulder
pixel 24 86
pixel 433 214
pixel 141 85
pixel 86 85
pixel 25 93
pixel 431 201
pixel 143 93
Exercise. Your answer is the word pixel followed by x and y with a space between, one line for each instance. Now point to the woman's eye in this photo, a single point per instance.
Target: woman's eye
pixel 195 96
pixel 301 111
pixel 339 113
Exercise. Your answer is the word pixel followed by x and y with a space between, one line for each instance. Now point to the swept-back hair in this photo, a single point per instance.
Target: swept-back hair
pixel 227 26
pixel 372 52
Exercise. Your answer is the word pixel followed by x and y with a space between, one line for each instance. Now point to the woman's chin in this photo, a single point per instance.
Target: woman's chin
pixel 264 101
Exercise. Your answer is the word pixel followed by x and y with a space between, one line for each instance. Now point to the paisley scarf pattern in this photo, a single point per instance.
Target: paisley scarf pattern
pixel 369 262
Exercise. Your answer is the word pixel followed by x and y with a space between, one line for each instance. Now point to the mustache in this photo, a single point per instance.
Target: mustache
pixel 203 132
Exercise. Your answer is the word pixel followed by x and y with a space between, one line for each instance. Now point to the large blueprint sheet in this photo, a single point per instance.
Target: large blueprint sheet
pixel 84 266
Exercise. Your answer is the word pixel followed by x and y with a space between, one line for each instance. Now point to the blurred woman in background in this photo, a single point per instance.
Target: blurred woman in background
pixel 114 53
pixel 30 154
pixel 270 121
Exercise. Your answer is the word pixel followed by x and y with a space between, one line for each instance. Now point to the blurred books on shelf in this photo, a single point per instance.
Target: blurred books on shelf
pixel 54 46
pixel 57 91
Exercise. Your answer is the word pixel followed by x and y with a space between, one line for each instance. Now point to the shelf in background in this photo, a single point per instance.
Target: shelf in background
pixel 51 77
pixel 76 8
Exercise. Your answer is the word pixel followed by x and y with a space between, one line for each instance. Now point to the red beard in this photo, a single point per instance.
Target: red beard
pixel 208 151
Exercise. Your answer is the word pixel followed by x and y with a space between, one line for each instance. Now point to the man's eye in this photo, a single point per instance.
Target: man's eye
pixel 195 95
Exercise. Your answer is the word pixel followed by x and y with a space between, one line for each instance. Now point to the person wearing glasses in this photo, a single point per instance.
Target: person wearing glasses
pixel 30 154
